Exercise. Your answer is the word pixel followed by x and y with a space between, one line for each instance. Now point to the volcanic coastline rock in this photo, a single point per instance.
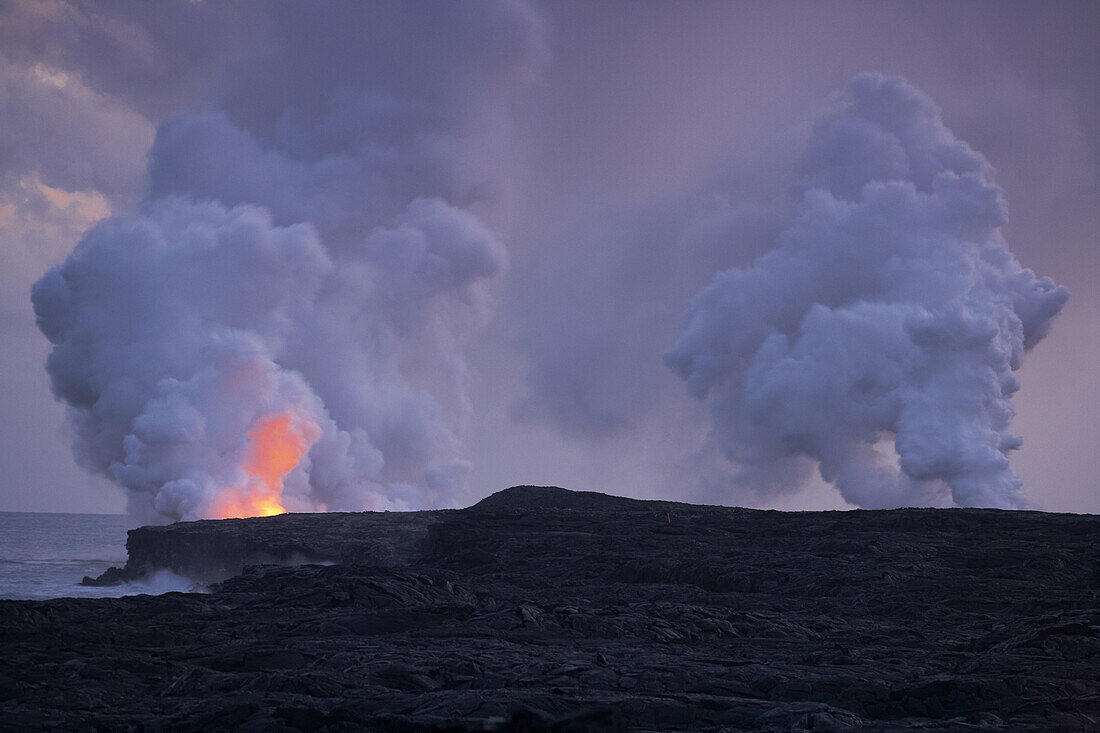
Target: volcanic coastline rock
pixel 544 609
pixel 212 550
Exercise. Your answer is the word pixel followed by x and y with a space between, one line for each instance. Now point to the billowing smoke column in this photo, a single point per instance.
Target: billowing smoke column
pixel 166 327
pixel 278 326
pixel 172 333
pixel 889 311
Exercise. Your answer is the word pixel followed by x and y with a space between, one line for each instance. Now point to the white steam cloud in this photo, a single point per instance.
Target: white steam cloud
pixel 173 329
pixel 280 323
pixel 889 311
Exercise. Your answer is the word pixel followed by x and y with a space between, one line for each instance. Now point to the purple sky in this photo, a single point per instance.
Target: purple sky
pixel 591 139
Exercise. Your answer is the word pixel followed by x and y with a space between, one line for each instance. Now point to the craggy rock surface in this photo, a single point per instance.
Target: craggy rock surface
pixel 213 550
pixel 542 609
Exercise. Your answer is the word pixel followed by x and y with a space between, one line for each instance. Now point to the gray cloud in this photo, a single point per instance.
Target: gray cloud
pixel 623 156
pixel 604 307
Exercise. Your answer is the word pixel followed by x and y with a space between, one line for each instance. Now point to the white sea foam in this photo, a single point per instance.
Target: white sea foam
pixel 46 556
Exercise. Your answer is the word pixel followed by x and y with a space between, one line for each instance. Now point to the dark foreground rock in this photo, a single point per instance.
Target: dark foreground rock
pixel 540 609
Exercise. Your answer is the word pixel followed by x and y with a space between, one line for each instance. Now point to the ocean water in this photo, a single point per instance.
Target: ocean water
pixel 46 555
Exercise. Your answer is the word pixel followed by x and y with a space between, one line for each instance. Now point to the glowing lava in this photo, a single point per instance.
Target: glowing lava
pixel 277 443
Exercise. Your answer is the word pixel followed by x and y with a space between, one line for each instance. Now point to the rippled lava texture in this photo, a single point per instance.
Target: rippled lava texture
pixel 543 609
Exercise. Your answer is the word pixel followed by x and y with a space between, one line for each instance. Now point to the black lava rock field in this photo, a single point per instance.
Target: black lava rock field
pixel 541 609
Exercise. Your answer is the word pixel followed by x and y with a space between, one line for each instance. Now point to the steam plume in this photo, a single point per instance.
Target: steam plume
pixel 279 325
pixel 889 311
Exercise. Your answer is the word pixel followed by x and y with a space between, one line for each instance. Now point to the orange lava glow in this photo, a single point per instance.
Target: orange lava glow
pixel 277 443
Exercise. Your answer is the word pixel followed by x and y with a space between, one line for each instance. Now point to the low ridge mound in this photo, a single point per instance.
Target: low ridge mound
pixel 519 498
